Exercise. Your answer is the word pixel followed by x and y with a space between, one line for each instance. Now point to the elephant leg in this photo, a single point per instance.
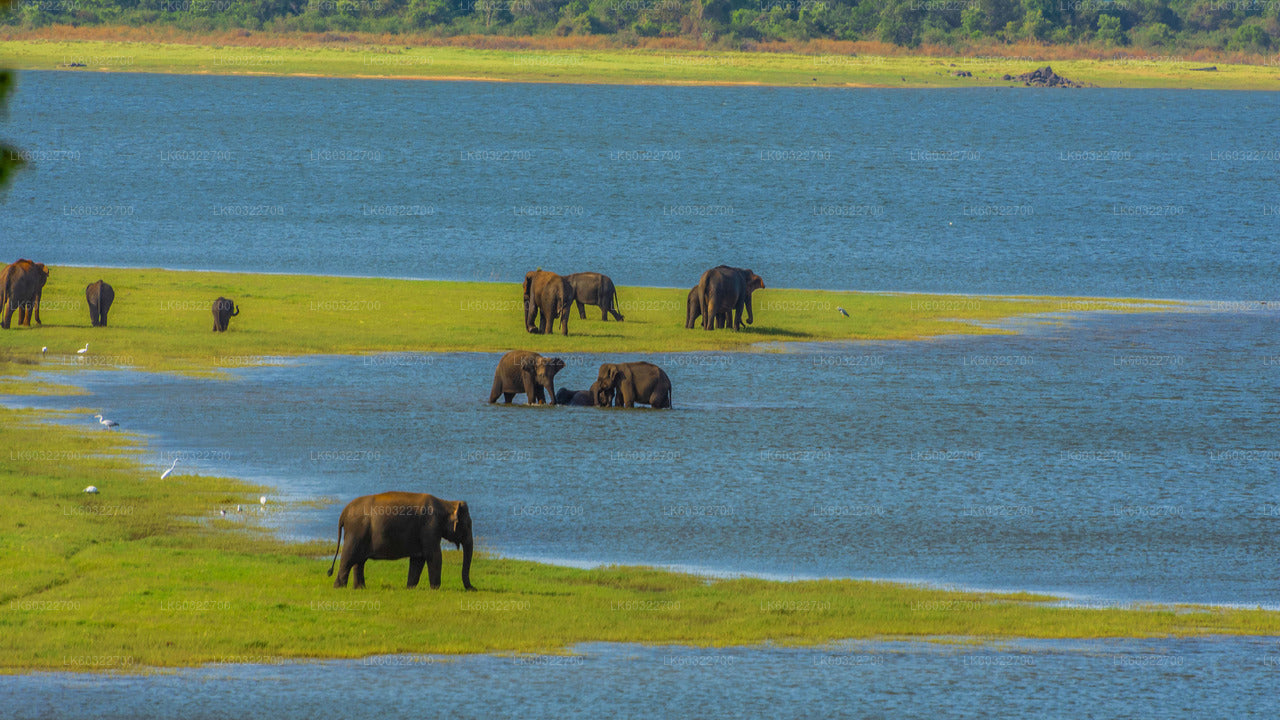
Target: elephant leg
pixel 415 570
pixel 343 571
pixel 582 310
pixel 496 390
pixel 564 323
pixel 508 397
pixel 102 317
pixel 628 396
pixel 360 575
pixel 531 391
pixel 433 567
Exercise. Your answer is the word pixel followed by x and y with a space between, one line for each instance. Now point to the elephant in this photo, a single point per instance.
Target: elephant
pixel 727 289
pixel 21 285
pixel 694 310
pixel 590 288
pixel 100 296
pixel 394 525
pixel 584 398
pixel 547 296
pixel 522 371
pixel 222 313
pixel 635 382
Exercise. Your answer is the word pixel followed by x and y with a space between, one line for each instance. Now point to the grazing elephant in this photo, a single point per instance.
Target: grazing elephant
pixel 547 296
pixel 521 371
pixel 635 382
pixel 727 290
pixel 694 310
pixel 21 285
pixel 591 288
pixel 222 313
pixel 394 525
pixel 100 296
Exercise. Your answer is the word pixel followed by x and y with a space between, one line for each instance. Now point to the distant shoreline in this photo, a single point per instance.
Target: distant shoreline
pixel 647 66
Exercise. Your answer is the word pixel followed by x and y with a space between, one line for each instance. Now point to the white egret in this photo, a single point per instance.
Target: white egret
pixel 83 350
pixel 171 467
pixel 108 424
pixel 263 502
pixel 92 490
pixel 239 509
pixel 44 349
pixel 223 513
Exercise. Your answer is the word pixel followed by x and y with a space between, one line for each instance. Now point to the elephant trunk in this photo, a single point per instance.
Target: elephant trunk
pixel 237 311
pixel 467 547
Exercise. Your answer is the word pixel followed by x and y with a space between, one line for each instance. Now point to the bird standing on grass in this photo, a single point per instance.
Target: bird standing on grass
pixel 44 350
pixel 83 350
pixel 108 424
pixel 171 467
pixel 843 311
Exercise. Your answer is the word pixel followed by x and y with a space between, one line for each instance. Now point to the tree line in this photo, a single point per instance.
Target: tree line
pixel 1176 26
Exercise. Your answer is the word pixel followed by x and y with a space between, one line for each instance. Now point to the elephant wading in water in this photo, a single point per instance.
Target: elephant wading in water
pixel 222 313
pixel 728 290
pixel 694 310
pixel 547 296
pixel 394 525
pixel 590 288
pixel 626 384
pixel 522 371
pixel 21 285
pixel 582 398
pixel 100 296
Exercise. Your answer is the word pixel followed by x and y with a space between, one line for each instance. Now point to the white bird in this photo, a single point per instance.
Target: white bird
pixel 44 349
pixel 108 424
pixel 223 513
pixel 83 350
pixel 92 490
pixel 239 509
pixel 263 502
pixel 843 311
pixel 171 467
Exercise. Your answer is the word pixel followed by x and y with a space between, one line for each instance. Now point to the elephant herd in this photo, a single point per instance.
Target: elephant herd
pixel 22 283
pixel 616 384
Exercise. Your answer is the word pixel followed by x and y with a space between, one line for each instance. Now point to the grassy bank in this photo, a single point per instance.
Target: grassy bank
pixel 161 319
pixel 149 573
pixel 622 66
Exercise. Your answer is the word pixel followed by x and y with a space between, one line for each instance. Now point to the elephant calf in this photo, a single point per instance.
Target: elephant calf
pixel 99 295
pixel 522 371
pixel 394 525
pixel 592 288
pixel 626 384
pixel 584 398
pixel 222 313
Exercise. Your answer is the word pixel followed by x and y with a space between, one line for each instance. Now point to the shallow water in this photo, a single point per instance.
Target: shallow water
pixel 1103 458
pixel 1146 193
pixel 1229 677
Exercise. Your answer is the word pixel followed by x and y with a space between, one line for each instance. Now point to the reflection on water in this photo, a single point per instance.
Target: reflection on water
pixel 1105 459
pixel 1225 677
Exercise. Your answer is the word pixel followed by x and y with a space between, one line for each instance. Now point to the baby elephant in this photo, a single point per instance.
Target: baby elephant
pixel 99 295
pixel 626 384
pixel 522 371
pixel 584 398
pixel 222 313
pixel 394 525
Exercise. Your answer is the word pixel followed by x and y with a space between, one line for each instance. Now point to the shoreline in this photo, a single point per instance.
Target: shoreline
pixel 378 59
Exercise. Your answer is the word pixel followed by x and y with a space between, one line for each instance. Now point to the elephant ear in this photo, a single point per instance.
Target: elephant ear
pixel 553 365
pixel 528 280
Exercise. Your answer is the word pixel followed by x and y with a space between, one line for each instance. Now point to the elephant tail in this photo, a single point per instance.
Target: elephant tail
pixel 237 311
pixel 336 549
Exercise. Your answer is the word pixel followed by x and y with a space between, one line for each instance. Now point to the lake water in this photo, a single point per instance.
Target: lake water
pixel 1105 459
pixel 1108 192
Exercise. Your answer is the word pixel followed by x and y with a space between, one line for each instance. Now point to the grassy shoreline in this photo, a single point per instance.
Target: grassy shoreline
pixel 613 65
pixel 149 574
pixel 161 319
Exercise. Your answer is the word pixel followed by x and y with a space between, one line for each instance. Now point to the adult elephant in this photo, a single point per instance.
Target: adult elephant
pixel 693 310
pixel 727 289
pixel 394 525
pixel 547 296
pixel 21 285
pixel 635 382
pixel 522 371
pixel 99 295
pixel 223 311
pixel 592 288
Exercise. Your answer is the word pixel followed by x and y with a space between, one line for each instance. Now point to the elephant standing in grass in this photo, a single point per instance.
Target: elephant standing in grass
pixel 522 371
pixel 727 289
pixel 21 285
pixel 394 525
pixel 222 313
pixel 99 296
pixel 547 296
pixel 693 310
pixel 590 288
pixel 626 384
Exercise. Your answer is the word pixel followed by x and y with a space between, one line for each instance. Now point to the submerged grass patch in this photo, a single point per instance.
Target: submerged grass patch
pixel 162 319
pixel 150 574
pixel 621 66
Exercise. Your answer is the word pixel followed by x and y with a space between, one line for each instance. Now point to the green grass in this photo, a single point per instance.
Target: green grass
pixel 615 65
pixel 161 320
pixel 149 574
